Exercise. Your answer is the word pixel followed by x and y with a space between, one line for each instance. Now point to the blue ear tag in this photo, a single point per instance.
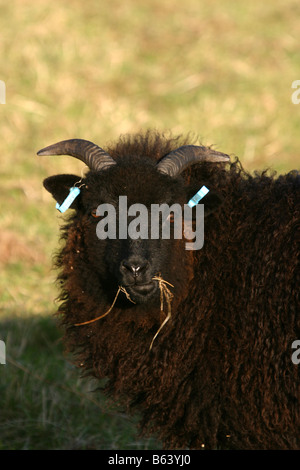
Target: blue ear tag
pixel 198 196
pixel 74 192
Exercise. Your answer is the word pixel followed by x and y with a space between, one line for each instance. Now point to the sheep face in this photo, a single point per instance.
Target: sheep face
pixel 129 261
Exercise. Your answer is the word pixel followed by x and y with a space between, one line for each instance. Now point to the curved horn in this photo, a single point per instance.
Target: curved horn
pixel 180 159
pixel 92 155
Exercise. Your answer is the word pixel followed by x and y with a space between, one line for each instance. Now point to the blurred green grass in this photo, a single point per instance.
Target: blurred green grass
pixel 44 403
pixel 220 70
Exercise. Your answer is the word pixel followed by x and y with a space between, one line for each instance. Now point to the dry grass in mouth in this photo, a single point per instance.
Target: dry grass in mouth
pixel 165 294
pixel 120 289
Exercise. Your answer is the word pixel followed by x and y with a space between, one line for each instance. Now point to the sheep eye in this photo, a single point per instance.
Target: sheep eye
pixel 94 214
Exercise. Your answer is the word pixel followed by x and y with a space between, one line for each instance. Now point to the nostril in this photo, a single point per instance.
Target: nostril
pixel 135 268
pixel 127 266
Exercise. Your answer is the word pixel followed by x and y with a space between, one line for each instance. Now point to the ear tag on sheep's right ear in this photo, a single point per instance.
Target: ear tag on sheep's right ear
pixel 74 192
pixel 198 196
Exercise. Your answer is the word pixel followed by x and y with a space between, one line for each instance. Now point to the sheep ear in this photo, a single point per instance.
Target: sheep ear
pixel 212 199
pixel 59 186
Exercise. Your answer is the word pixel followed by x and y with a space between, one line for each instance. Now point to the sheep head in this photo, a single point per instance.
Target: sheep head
pixel 132 262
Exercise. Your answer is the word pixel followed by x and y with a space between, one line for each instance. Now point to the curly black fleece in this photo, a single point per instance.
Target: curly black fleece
pixel 220 374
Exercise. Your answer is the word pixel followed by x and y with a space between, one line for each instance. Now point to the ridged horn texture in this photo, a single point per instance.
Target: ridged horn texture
pixel 178 160
pixel 92 155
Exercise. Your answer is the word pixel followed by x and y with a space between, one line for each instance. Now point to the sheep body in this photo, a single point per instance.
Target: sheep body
pixel 219 374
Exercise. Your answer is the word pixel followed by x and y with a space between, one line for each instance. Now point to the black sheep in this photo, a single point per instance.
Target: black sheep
pixel 206 358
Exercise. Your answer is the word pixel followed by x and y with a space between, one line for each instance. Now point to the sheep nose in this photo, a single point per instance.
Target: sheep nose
pixel 134 268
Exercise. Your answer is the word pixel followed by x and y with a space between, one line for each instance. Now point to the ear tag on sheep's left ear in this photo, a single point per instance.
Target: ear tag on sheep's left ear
pixel 74 192
pixel 198 196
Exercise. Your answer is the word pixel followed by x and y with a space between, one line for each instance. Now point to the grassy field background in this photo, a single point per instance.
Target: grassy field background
pixel 95 70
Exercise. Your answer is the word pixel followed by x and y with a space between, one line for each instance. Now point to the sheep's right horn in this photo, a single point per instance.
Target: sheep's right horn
pixel 92 155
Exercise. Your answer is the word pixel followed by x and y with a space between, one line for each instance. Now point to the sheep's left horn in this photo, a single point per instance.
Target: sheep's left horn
pixel 92 155
pixel 178 160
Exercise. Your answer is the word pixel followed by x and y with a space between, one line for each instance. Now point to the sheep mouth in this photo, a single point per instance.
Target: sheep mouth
pixel 144 288
pixel 142 291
